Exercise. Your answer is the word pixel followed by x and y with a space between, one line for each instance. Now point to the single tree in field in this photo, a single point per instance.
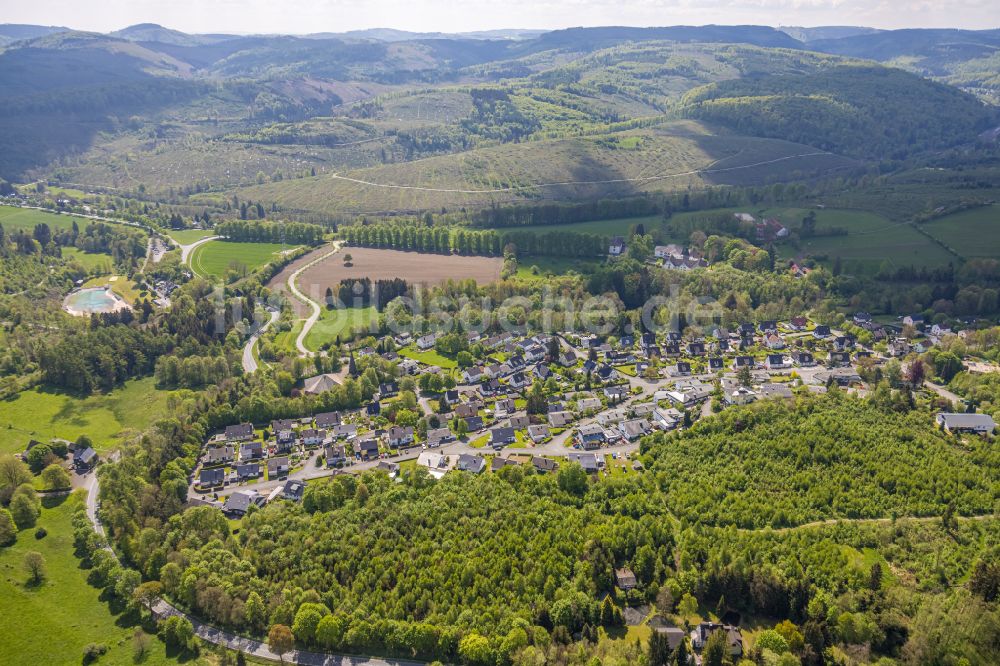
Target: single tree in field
pixel 34 564
pixel 280 640
pixel 348 259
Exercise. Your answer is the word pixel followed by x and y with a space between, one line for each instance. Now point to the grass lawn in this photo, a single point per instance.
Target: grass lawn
pixel 13 218
pixel 52 622
pixel 214 258
pixel 971 233
pixel 333 322
pixel 188 236
pixel 120 284
pixel 430 357
pixel 95 263
pixel 42 414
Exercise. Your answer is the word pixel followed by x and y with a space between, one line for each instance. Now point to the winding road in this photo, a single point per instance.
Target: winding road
pixel 293 288
pixel 249 362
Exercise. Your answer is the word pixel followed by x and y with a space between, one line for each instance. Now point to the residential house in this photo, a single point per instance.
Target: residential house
pixel 716 364
pixel 538 433
pixel 293 490
pixel 915 320
pixel 746 329
pixel 591 436
pixel 743 362
pixel 465 410
pixel 212 478
pixel 803 359
pixel 696 348
pixel 840 359
pixel 585 404
pixel 251 451
pixel 544 465
pixel 843 342
pixel 625 579
pixel 335 455
pixel 617 246
pixel 491 387
pixel 734 639
pixel 278 467
pixel 408 366
pixel 671 348
pixel 240 502
pixel 668 419
pixel 821 331
pixel 247 471
pixel 426 342
pixel 345 431
pixel 776 362
pixel 218 455
pixel 503 407
pixel 611 416
pixel 642 409
pixel 373 408
pixel 327 420
pixel 500 437
pixel 740 395
pixel 979 424
pixel 474 423
pixel 400 436
pixel 438 436
pixel 798 323
pixel 519 380
pixel 606 372
pixel 240 433
pixel 682 369
pixel 366 449
pixel 436 463
pixel 560 419
pixel 470 463
pixel 319 383
pixel 567 359
pixel 519 422
pixel 588 461
pixel 387 389
pixel 500 462
pixel 616 393
pixel 312 436
pixel 774 341
pixel 768 326
pixel 774 391
pixel 634 429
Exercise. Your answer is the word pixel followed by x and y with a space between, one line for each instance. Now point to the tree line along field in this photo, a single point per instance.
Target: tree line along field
pixel 43 414
pixel 214 258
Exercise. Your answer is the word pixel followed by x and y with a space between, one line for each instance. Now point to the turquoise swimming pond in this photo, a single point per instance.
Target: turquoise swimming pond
pixel 88 301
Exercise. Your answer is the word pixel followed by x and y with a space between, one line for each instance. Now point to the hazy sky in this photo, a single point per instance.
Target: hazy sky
pixel 306 16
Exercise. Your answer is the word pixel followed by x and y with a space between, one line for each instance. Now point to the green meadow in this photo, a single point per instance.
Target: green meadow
pixel 13 218
pixel 52 622
pixel 43 414
pixel 333 322
pixel 214 258
pixel 971 233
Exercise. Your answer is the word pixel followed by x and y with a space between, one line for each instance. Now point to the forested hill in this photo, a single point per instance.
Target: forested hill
pixel 859 110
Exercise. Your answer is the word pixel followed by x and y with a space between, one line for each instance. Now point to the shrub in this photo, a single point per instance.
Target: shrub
pixel 41 533
pixel 93 651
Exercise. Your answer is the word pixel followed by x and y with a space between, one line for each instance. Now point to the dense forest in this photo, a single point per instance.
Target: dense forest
pixel 844 109
pixel 515 563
